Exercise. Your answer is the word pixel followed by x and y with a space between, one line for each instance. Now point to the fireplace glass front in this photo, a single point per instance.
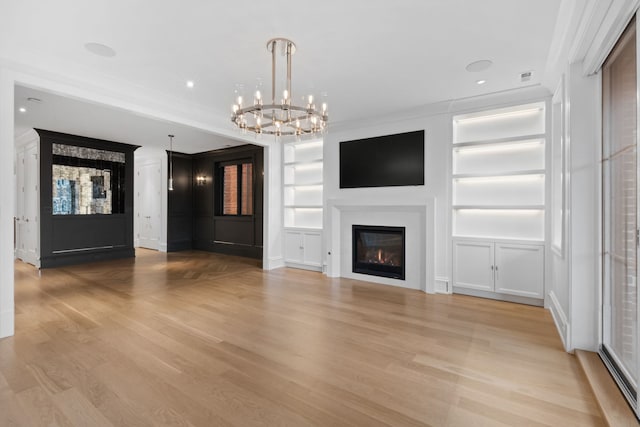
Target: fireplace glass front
pixel 379 251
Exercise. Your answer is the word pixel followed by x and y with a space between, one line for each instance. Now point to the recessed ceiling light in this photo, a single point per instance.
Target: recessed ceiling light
pixel 478 66
pixel 100 49
pixel 22 110
pixel 190 84
pixel 481 82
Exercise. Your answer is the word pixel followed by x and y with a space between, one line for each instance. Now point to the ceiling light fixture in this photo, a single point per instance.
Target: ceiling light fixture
pixel 281 118
pixel 22 110
pixel 190 84
pixel 481 82
pixel 171 162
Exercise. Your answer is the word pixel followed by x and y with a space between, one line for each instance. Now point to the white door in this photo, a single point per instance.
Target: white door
pixel 473 265
pixel 519 270
pixel 149 205
pixel 312 244
pixel 293 249
pixel 27 208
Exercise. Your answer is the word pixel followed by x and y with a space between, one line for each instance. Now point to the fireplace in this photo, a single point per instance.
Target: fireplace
pixel 379 251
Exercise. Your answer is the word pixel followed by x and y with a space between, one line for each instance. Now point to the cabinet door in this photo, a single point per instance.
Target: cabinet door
pixel 520 270
pixel 312 243
pixel 293 246
pixel 473 265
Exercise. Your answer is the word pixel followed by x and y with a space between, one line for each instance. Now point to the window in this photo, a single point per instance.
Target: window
pixel 237 188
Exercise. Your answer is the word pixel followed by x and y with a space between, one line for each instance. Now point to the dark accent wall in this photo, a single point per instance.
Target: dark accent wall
pixel 74 239
pixel 180 204
pixel 234 235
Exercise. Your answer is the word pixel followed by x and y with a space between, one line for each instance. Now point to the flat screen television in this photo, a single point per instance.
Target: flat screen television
pixel 383 161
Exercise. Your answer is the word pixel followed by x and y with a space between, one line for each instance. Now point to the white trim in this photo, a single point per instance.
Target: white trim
pixel 274 262
pixel 442 285
pixel 606 30
pixel 560 319
pixel 6 323
pixel 424 207
pixel 7 207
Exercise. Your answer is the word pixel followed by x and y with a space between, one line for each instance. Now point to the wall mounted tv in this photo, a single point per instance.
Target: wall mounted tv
pixel 383 161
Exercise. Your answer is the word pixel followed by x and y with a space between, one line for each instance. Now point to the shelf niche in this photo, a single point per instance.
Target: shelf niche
pixel 499 173
pixel 303 184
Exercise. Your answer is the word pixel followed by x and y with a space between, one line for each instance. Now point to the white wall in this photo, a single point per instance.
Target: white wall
pixel 438 134
pixel 436 120
pixel 7 195
pixel 272 256
pixel 576 278
pixel 584 116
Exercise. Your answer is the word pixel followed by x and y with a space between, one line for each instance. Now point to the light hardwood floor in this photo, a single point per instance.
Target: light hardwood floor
pixel 198 339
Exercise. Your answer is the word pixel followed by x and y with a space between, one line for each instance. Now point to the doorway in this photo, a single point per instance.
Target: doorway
pixel 148 204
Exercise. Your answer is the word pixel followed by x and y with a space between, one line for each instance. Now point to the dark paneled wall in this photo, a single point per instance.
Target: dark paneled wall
pixel 74 239
pixel 193 221
pixel 235 235
pixel 180 204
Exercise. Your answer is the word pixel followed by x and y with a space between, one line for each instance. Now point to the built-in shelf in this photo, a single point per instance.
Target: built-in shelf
pixel 499 173
pixel 310 184
pixel 305 163
pixel 522 139
pixel 500 207
pixel 534 172
pixel 303 185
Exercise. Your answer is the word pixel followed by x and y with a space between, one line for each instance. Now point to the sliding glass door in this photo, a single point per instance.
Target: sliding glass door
pixel 620 213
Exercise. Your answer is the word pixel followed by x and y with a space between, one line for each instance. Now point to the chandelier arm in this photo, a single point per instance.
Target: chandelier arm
pixel 274 107
pixel 273 72
pixel 289 71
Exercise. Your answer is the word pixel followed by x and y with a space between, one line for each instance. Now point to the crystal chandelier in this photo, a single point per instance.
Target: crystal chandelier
pixel 280 117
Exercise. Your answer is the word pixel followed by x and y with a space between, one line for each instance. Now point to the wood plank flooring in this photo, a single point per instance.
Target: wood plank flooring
pixel 199 339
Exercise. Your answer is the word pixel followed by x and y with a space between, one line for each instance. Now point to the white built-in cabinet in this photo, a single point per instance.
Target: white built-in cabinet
pixel 303 249
pixel 498 201
pixel 499 267
pixel 303 187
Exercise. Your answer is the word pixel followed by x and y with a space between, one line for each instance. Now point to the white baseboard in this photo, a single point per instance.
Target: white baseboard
pixel 273 263
pixel 6 323
pixel 442 285
pixel 162 247
pixel 303 266
pixel 560 319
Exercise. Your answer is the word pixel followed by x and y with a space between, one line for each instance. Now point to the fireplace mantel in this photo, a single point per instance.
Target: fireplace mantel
pixel 417 215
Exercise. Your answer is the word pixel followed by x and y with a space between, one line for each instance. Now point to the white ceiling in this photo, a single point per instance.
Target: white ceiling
pixel 67 115
pixel 372 57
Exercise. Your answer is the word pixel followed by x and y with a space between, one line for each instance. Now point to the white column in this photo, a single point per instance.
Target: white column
pixel 585 203
pixel 272 256
pixel 7 204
